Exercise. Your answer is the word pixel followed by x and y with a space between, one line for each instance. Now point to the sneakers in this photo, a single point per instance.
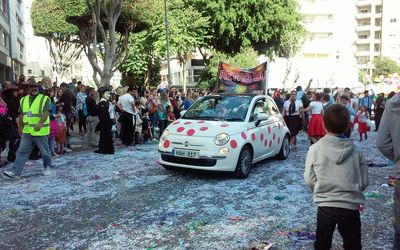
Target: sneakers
pixel 10 174
pixel 48 170
pixel 67 150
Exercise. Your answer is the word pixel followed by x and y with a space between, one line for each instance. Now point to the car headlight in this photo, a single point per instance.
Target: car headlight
pixel 221 139
pixel 165 135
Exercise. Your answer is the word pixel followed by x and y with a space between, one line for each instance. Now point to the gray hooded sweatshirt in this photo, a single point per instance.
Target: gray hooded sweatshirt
pixel 388 139
pixel 337 173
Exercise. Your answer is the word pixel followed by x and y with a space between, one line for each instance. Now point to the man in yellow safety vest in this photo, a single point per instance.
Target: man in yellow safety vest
pixel 34 127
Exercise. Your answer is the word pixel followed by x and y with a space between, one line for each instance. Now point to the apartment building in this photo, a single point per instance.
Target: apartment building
pixel 327 55
pixel 390 38
pixel 378 32
pixel 5 59
pixel 12 40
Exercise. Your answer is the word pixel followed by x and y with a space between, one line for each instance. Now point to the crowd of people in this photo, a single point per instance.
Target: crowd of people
pixel 39 117
pixel 132 115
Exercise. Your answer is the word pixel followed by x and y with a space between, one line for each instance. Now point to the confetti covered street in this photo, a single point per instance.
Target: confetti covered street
pixel 128 201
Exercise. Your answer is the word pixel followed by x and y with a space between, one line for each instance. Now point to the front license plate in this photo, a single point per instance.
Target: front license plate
pixel 185 153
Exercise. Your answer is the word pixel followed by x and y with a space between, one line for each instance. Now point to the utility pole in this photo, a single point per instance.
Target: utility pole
pixel 167 36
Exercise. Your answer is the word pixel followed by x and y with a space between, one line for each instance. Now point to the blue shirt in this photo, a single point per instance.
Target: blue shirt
pixel 186 104
pixel 299 95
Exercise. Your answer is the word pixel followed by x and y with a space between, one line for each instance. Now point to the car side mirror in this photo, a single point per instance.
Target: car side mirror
pixel 183 112
pixel 261 117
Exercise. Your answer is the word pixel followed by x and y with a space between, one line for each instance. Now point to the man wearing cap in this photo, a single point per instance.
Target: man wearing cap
pixel 34 125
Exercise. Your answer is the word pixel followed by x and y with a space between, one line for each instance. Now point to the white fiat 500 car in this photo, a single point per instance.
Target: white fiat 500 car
pixel 225 132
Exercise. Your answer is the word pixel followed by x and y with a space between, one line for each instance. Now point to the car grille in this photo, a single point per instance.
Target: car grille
pixel 189 161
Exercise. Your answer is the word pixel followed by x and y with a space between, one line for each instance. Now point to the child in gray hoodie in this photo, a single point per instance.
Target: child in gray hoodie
pixel 337 173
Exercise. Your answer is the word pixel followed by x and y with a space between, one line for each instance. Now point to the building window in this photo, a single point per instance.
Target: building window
pixel 5 39
pixel 20 23
pixel 29 71
pixel 42 72
pixel 20 46
pixel 4 7
pixel 393 20
pixel 365 36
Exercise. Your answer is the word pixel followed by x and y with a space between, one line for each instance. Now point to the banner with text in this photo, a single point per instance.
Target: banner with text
pixel 236 80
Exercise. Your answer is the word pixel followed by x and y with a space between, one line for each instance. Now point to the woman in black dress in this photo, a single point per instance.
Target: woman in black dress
pixel 106 145
pixel 293 117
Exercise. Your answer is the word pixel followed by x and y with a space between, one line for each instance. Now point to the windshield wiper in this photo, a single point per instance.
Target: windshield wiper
pixel 211 118
pixel 234 119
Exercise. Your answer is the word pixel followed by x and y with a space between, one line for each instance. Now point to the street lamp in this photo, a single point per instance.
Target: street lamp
pixel 167 36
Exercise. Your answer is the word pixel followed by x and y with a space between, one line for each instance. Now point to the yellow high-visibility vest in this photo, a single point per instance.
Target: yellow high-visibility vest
pixel 33 113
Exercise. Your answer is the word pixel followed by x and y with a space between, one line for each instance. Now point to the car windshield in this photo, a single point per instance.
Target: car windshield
pixel 226 108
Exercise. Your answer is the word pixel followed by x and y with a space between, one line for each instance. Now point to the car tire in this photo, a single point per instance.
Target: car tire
pixel 285 148
pixel 244 164
pixel 167 167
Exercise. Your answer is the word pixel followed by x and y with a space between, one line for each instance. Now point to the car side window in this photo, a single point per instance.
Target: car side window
pixel 261 106
pixel 273 109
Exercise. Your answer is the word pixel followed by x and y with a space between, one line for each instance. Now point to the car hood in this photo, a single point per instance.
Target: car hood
pixel 204 128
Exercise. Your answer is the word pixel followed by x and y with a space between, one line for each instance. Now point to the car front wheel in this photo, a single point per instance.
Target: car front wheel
pixel 284 152
pixel 244 163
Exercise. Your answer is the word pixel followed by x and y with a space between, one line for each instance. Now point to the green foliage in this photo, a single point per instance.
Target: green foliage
pixel 385 66
pixel 271 27
pixel 146 49
pixel 142 66
pixel 246 58
pixel 49 19
pixel 187 29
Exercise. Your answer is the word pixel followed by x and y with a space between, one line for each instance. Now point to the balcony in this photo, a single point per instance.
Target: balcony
pixel 363 15
pixel 363 28
pixel 363 41
pixel 362 3
pixel 318 47
pixel 319 26
pixel 363 53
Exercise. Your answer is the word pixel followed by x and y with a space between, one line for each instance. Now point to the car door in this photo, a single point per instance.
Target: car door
pixel 259 134
pixel 275 124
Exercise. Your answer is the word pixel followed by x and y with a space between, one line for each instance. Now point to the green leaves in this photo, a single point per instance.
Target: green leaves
pixel 271 27
pixel 385 66
pixel 49 19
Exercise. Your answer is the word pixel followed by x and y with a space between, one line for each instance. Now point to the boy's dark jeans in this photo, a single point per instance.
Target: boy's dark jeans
pixel 396 198
pixel 349 226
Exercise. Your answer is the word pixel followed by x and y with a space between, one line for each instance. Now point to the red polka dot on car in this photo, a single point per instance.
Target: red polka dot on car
pixel 279 125
pixel 190 132
pixel 166 144
pixel 253 137
pixel 273 137
pixel 175 123
pixel 262 137
pixel 200 122
pixel 180 129
pixel 265 143
pixel 203 128
pixel 269 130
pixel 244 136
pixel 233 144
pixel 224 125
pixel 279 140
pixel 270 143
pixel 187 123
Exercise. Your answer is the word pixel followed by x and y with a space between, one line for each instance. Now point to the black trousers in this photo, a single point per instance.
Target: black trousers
pixel 106 145
pixel 127 121
pixel 378 118
pixel 81 121
pixel 349 225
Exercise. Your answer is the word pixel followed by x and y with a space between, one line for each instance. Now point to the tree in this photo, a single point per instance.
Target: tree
pixel 188 32
pixel 268 26
pixel 104 27
pixel 142 66
pixel 385 66
pixel 49 22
